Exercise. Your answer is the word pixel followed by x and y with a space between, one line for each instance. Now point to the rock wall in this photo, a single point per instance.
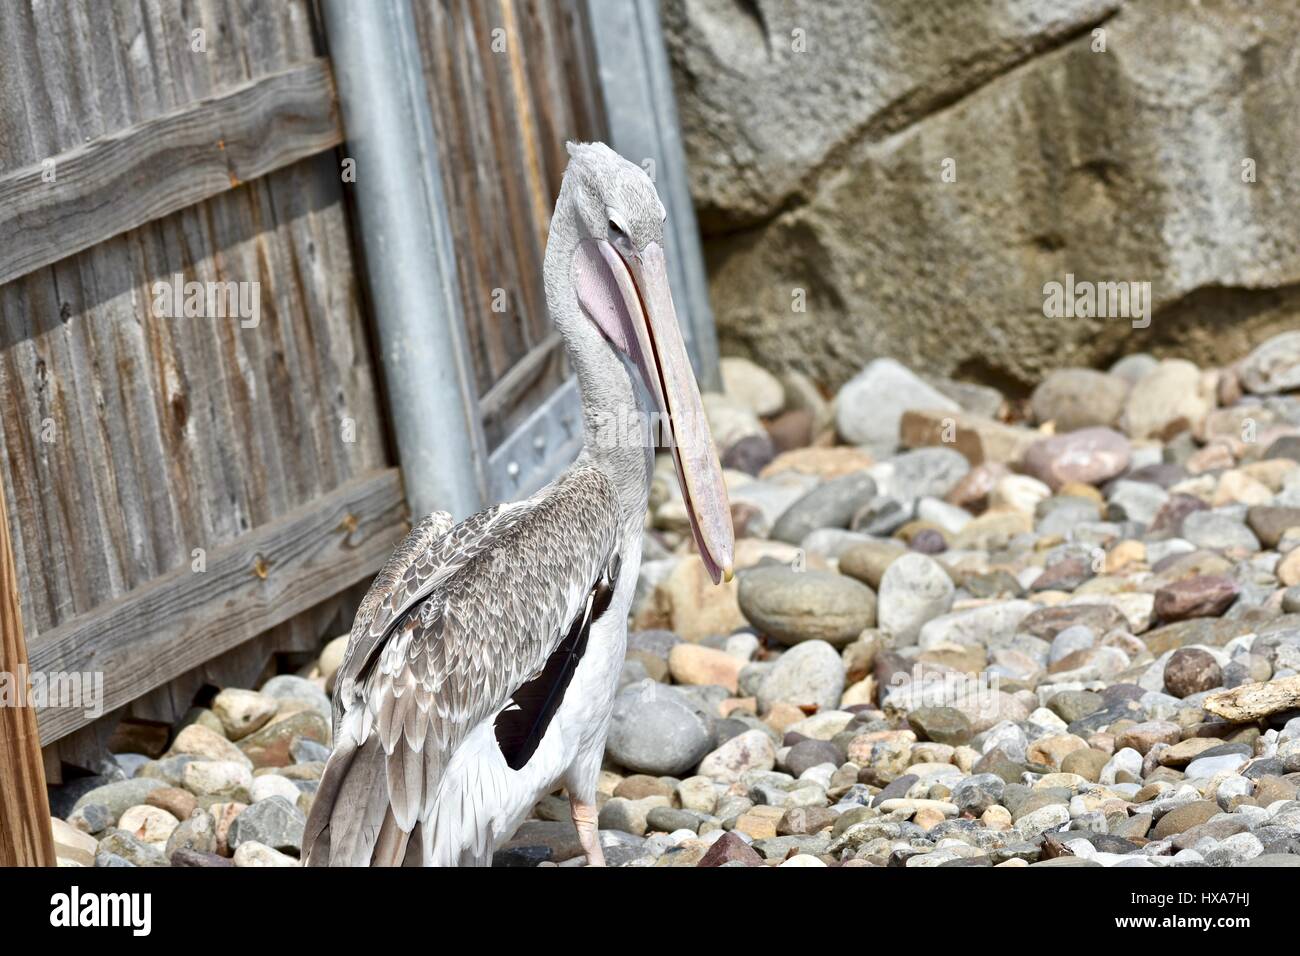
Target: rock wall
pixel 890 178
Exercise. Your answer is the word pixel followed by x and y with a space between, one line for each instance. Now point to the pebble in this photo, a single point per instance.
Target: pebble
pixel 810 674
pixel 751 750
pixel 1090 455
pixel 869 408
pixel 914 590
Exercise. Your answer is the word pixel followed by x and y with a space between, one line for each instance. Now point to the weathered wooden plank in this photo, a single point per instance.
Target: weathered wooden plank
pixel 25 837
pixel 180 620
pixel 124 179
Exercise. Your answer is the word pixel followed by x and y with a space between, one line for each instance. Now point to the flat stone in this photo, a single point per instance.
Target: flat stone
pixel 1203 595
pixel 1185 817
pixel 793 606
pixel 1090 455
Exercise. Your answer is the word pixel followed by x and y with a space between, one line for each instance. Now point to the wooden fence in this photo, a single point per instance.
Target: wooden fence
pixel 188 496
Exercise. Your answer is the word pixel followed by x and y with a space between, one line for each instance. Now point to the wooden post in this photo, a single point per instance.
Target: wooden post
pixel 25 835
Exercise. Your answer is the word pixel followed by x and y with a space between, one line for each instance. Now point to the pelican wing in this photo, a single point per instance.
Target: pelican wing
pixel 459 625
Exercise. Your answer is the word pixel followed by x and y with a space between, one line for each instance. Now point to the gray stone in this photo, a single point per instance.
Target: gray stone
pixel 275 822
pixel 1274 366
pixel 793 606
pixel 1077 398
pixel 914 589
pixel 127 847
pixel 1138 501
pixel 808 674
pixel 920 473
pixel 869 408
pixel 830 505
pixel 1218 531
pixel 116 798
pixel 656 730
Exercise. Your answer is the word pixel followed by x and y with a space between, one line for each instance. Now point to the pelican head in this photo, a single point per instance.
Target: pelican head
pixel 612 224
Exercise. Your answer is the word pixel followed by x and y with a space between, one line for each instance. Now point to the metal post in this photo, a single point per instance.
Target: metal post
pixel 408 252
pixel 642 112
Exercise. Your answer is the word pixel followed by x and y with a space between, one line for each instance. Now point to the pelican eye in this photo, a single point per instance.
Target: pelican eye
pixel 616 231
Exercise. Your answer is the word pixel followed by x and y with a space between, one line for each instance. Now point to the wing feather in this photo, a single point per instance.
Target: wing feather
pixel 460 620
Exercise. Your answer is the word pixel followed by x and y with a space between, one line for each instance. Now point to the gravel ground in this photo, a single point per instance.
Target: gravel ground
pixel 964 632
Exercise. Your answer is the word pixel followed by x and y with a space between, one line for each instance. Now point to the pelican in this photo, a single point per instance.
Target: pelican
pixel 481 669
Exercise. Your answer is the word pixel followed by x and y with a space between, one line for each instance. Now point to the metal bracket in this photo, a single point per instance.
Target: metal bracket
pixel 544 445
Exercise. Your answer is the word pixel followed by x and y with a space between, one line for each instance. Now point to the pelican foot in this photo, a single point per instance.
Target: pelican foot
pixel 584 819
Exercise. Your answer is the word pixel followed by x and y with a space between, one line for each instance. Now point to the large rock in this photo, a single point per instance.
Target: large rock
pixel 1107 166
pixel 657 730
pixel 793 606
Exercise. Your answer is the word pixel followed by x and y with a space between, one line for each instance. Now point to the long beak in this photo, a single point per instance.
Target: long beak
pixel 655 346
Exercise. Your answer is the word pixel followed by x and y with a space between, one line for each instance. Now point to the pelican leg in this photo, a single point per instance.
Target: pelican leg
pixel 584 819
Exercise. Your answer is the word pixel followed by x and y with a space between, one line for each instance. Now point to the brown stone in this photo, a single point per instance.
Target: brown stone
pixel 640 785
pixel 978 439
pixel 269 747
pixel 730 848
pixel 1270 522
pixel 1049 621
pixel 179 803
pixel 1185 817
pixel 867 562
pixel 1191 670
pixel 972 492
pixel 697 664
pixel 1086 762
pixel 1204 595
pixel 792 429
pixel 1142 737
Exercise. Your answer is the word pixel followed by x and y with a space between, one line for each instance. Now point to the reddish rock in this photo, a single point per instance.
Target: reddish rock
pixel 792 429
pixel 1169 519
pixel 972 492
pixel 1047 622
pixel 1191 670
pixel 1090 456
pixel 1142 737
pixel 1204 595
pixel 1064 575
pixel 728 848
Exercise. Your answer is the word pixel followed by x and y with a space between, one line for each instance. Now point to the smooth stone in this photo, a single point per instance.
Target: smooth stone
pixel 793 606
pixel 810 674
pixel 914 590
pixel 657 730
pixel 1090 456
pixel 830 505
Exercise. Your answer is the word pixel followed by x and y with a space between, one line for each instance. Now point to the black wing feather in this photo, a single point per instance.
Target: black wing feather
pixel 521 726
